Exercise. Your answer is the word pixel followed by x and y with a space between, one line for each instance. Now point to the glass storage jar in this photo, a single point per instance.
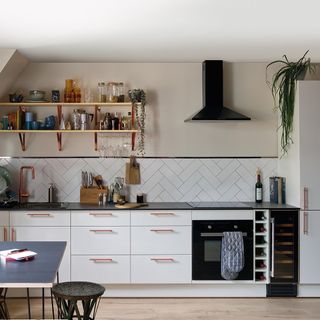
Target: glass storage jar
pixel 102 92
pixel 112 92
pixel 120 92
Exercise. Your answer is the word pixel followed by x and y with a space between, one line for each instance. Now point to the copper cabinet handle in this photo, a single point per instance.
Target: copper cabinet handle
pixel 39 215
pixel 102 230
pixel 162 259
pixel 105 214
pixel 305 223
pixel 305 198
pixel 5 234
pixel 13 236
pixel 272 246
pixel 101 260
pixel 162 213
pixel 162 230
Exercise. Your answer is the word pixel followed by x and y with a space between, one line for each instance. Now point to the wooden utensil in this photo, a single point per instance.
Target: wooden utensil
pixel 130 205
pixel 98 180
pixel 132 175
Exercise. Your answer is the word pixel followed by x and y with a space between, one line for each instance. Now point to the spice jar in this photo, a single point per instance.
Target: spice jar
pixel 101 92
pixel 112 92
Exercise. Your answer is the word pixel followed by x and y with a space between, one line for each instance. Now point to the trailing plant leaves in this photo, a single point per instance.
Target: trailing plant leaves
pixel 136 96
pixel 283 89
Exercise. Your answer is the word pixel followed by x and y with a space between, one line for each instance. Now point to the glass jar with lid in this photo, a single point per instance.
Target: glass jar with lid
pixel 120 92
pixel 112 92
pixel 102 92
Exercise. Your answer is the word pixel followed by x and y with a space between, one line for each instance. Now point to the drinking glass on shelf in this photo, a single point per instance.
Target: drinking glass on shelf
pixel 88 95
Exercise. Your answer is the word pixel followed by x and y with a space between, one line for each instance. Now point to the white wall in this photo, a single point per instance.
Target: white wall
pixel 173 93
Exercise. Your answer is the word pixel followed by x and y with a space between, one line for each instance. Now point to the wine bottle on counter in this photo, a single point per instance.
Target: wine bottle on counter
pixel 258 188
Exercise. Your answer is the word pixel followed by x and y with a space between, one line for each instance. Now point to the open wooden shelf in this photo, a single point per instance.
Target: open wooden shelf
pixel 69 131
pixel 66 104
pixel 59 106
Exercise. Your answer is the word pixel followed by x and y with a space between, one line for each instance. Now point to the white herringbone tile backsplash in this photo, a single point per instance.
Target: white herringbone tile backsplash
pixel 161 179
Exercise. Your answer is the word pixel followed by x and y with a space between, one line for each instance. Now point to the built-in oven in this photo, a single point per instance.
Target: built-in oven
pixel 206 248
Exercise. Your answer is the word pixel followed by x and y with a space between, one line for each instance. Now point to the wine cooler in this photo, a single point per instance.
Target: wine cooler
pixel 283 253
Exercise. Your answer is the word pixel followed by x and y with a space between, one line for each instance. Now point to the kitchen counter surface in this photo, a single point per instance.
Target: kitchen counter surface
pixel 157 206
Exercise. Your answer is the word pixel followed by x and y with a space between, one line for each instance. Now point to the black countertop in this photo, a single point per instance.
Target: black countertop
pixel 231 205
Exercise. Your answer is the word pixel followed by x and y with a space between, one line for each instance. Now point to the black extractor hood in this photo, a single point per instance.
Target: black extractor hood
pixel 212 95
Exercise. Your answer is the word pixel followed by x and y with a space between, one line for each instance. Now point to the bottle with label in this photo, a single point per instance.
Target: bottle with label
pixel 116 121
pixel 129 121
pixel 258 188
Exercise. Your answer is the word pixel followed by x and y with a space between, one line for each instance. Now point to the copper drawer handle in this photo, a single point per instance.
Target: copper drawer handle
pixel 162 213
pixel 107 214
pixel 305 198
pixel 109 230
pixel 162 259
pixel 13 236
pixel 162 230
pixel 305 223
pixel 5 234
pixel 47 215
pixel 101 260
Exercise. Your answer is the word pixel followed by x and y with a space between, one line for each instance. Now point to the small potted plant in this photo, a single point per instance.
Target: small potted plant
pixel 138 98
pixel 283 88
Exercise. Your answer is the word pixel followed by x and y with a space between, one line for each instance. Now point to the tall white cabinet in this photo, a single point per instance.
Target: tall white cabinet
pixel 301 167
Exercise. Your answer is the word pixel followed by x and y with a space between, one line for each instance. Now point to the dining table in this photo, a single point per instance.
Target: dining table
pixel 41 271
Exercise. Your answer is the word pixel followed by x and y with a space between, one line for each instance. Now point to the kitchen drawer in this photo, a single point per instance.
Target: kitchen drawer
pixel 101 269
pixel 222 214
pixel 4 218
pixel 100 240
pixel 161 269
pixel 161 240
pixel 160 217
pixel 40 218
pixel 100 217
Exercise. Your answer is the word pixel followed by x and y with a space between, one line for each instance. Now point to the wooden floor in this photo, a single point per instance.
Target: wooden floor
pixel 188 309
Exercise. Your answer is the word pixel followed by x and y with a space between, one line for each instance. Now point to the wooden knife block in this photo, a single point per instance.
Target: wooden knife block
pixel 91 195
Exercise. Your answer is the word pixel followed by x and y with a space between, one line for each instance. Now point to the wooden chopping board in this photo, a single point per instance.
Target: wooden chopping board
pixel 132 175
pixel 130 205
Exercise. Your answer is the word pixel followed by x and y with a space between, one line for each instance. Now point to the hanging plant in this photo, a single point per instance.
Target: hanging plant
pixel 138 98
pixel 283 88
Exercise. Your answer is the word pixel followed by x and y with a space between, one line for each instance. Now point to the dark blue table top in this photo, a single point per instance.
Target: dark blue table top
pixel 39 272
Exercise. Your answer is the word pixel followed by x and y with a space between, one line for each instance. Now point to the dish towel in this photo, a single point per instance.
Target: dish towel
pixel 232 255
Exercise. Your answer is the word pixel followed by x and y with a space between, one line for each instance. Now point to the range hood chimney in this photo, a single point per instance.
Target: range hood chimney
pixel 212 95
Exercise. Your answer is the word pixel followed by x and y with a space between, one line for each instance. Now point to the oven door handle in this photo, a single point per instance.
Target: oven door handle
pixel 217 234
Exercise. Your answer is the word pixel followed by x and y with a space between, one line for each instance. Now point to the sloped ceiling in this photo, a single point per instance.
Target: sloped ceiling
pixel 160 30
pixel 12 63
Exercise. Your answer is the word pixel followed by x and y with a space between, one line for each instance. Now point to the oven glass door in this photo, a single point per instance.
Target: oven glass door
pixel 206 248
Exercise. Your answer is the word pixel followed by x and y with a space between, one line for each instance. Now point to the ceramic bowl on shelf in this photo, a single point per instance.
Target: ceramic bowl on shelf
pixel 36 95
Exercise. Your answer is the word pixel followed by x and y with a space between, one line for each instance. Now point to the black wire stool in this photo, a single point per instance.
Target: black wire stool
pixel 77 300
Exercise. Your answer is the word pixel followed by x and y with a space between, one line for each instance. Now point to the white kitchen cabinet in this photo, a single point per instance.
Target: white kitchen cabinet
pixel 161 246
pixel 100 240
pixel 161 217
pixel 51 229
pixel 47 234
pixel 4 225
pixel 103 269
pixel 161 269
pixel 309 247
pixel 40 218
pixel 161 240
pixel 301 169
pixel 100 218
